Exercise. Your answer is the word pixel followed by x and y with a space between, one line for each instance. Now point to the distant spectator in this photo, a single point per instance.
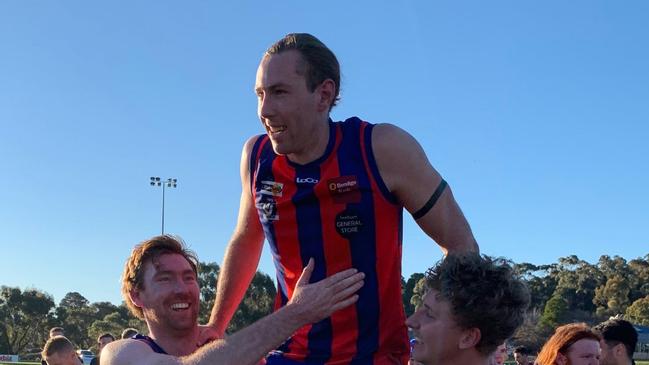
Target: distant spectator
pixel 500 355
pixel 521 355
pixel 102 341
pixel 129 332
pixel 619 339
pixel 471 306
pixel 56 331
pixel 59 350
pixel 571 344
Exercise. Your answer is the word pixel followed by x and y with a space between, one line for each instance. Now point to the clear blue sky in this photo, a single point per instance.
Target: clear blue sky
pixel 536 112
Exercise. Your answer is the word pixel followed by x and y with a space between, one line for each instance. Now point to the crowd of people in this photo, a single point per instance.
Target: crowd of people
pixel 328 197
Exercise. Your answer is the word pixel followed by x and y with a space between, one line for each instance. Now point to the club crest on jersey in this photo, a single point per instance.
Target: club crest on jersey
pixel 272 188
pixel 344 189
pixel 267 208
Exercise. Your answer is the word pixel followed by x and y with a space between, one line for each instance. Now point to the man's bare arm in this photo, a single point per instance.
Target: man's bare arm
pixel 408 174
pixel 241 256
pixel 310 303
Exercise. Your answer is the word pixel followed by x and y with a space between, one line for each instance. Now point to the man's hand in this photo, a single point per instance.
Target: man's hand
pixel 208 334
pixel 317 301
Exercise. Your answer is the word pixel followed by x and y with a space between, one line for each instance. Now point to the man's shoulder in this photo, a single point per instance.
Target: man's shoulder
pixel 125 351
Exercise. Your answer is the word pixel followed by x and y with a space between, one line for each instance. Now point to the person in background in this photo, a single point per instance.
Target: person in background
pixel 571 344
pixel 103 340
pixel 521 355
pixel 129 332
pixel 619 339
pixel 58 350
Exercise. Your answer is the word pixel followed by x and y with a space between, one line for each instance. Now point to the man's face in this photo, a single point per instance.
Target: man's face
pixel 607 353
pixel 437 336
pixel 288 111
pixel 582 352
pixel 103 342
pixel 500 355
pixel 63 358
pixel 170 295
pixel 520 358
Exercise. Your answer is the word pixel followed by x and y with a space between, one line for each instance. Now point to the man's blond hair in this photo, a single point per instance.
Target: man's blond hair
pixel 57 344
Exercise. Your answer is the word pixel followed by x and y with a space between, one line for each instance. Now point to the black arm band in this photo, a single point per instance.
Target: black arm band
pixel 431 202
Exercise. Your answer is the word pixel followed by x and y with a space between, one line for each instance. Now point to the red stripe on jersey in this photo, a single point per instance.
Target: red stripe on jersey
pixel 288 246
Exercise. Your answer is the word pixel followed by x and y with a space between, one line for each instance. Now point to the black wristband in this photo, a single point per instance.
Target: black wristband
pixel 431 202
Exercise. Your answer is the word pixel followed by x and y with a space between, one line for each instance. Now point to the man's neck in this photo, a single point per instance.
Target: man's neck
pixel 174 342
pixel 315 147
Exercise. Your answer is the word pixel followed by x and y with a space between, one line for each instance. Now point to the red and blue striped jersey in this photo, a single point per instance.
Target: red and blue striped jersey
pixel 338 211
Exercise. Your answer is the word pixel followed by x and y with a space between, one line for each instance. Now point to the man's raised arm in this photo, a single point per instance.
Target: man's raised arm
pixel 241 256
pixel 408 174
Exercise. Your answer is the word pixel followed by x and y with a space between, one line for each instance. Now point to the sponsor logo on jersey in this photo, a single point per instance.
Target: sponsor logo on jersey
pixel 306 180
pixel 344 189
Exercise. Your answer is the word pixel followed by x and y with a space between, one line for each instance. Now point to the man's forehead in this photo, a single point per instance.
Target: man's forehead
pixel 277 68
pixel 168 262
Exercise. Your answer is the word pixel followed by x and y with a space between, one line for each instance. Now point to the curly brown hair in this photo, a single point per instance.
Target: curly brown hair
pixel 483 293
pixel 149 251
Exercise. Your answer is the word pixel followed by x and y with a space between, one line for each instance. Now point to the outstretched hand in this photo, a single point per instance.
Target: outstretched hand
pixel 317 301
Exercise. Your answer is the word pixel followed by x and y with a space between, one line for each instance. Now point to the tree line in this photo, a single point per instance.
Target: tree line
pixel 567 291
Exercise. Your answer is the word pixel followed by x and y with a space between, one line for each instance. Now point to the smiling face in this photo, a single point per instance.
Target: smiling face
pixel 170 294
pixel 294 118
pixel 582 352
pixel 437 336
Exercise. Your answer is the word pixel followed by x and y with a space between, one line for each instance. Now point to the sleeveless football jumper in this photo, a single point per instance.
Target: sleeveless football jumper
pixel 339 212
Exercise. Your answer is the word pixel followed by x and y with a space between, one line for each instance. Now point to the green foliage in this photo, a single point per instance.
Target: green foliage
pixel 23 318
pixel 257 302
pixel 418 293
pixel 638 312
pixel 409 291
pixel 555 312
pixel 207 276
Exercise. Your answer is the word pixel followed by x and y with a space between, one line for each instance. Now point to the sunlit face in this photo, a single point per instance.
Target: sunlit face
pixel 63 358
pixel 437 336
pixel 500 355
pixel 582 352
pixel 291 114
pixel 170 295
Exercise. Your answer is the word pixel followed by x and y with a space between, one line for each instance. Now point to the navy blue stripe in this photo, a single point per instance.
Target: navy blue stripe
pixel 252 165
pixel 265 173
pixel 307 211
pixel 371 162
pixel 363 244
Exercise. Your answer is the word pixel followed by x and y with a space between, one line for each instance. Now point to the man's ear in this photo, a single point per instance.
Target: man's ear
pixel 619 350
pixel 561 359
pixel 326 93
pixel 134 294
pixel 469 338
